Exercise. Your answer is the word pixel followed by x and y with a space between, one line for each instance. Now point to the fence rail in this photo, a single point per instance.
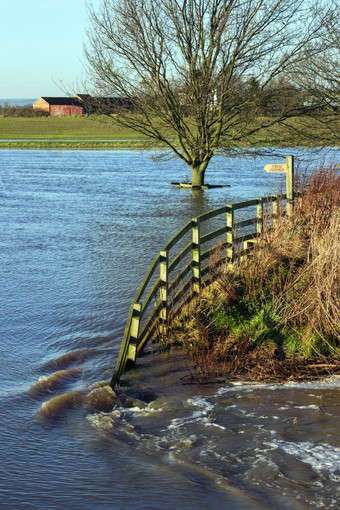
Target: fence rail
pixel 173 279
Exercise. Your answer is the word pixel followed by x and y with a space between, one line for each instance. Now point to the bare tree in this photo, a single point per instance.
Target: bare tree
pixel 194 70
pixel 319 70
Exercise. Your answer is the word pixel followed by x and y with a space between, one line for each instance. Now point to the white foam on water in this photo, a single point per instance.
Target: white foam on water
pixel 204 409
pixel 209 423
pixel 202 415
pixel 332 382
pixel 258 416
pixel 145 411
pixel 311 406
pixel 304 407
pixel 322 457
pixel 133 410
pixel 200 402
pixel 240 386
pixel 104 421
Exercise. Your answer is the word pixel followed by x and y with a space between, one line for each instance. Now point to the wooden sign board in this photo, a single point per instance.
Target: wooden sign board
pixel 276 168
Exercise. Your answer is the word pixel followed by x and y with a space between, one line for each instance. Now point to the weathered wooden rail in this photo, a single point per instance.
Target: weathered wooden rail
pixel 173 279
pixel 181 268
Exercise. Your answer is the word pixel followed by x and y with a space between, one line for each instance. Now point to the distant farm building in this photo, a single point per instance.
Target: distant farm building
pixel 59 106
pixel 82 104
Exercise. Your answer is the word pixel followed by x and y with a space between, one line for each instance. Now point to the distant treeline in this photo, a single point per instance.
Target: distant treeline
pixel 21 111
pixel 261 101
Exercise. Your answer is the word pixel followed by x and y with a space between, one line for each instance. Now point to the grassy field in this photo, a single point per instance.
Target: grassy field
pixel 62 128
pixel 100 133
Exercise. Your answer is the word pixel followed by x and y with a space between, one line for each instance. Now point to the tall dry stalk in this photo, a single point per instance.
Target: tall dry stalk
pixel 281 300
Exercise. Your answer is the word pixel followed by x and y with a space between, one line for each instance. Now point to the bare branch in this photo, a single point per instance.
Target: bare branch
pixel 199 72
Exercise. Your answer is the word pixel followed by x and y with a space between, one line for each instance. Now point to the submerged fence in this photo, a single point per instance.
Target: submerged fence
pixel 181 268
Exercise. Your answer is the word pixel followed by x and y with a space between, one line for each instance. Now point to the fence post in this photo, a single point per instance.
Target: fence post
pixel 230 234
pixel 259 216
pixel 134 333
pixel 248 245
pixel 163 291
pixel 196 255
pixel 275 205
pixel 290 184
pixel 276 209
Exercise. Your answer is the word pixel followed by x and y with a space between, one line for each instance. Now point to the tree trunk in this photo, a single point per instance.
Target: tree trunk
pixel 197 173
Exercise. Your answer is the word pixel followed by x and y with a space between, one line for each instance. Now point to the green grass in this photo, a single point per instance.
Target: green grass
pixel 77 145
pixel 63 128
pixel 102 133
pixel 268 315
pixel 320 130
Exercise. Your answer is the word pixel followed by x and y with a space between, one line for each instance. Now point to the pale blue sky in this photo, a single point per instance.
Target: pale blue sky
pixel 41 43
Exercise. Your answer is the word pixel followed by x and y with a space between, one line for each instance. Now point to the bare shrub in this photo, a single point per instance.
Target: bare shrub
pixel 319 200
pixel 23 111
pixel 272 310
pixel 314 306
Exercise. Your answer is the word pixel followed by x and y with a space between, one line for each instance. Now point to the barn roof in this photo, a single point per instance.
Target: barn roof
pixel 62 101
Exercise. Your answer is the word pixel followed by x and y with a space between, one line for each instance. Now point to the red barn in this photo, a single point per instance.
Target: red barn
pixel 59 106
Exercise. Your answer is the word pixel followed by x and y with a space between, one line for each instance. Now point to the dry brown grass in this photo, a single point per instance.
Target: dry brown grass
pixel 275 315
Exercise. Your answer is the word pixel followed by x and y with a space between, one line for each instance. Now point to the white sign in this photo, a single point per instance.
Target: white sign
pixel 275 168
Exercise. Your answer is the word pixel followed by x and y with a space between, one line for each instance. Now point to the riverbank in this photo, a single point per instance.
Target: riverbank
pixel 274 315
pixel 77 145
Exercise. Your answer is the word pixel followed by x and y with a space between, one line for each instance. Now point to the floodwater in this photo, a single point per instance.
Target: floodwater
pixel 78 231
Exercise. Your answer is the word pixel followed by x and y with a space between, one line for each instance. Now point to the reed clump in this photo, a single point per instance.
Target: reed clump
pixel 275 314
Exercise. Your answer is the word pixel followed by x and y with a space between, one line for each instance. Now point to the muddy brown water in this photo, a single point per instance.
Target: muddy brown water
pixel 78 233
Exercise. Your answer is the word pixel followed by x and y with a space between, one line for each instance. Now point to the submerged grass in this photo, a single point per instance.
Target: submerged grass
pixel 276 314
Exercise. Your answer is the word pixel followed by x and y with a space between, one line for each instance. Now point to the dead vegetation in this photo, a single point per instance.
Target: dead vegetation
pixel 274 315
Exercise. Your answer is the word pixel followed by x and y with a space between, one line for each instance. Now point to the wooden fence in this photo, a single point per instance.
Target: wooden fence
pixel 181 268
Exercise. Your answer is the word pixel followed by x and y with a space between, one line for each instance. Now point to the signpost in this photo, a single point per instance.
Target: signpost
pixel 288 169
pixel 275 168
